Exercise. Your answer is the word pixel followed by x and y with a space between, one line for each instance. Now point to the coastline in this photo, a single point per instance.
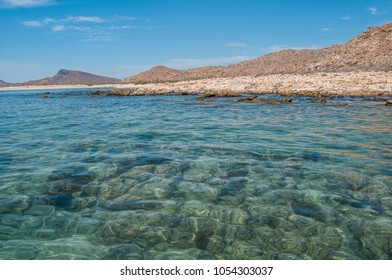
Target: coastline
pixel 51 87
pixel 317 84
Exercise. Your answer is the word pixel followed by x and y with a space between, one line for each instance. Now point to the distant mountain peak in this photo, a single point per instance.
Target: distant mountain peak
pixel 62 72
pixel 369 51
pixel 73 77
pixel 4 84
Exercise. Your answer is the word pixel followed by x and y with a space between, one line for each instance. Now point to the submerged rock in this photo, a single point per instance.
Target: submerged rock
pixel 309 209
pixel 312 156
pixel 267 101
pixel 132 205
pixel 322 100
pixel 221 93
pixel 237 173
pixel 202 238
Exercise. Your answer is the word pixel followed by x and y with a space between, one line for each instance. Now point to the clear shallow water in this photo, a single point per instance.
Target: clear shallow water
pixel 169 177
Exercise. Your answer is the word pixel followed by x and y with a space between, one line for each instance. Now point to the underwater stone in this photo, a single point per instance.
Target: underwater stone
pixel 166 170
pixel 117 232
pixel 197 191
pixel 342 255
pixel 195 208
pixel 183 167
pixel 16 204
pixel 91 189
pixel 75 175
pixel 57 200
pixel 296 246
pixel 273 222
pixel 237 173
pixel 124 252
pixel 196 175
pixel 202 238
pixel 234 232
pixel 112 189
pixel 64 225
pixel 152 235
pixel 215 182
pixel 308 209
pixel 228 215
pixel 148 169
pixel 317 251
pixel 158 187
pixel 7 232
pixel 215 245
pixel 131 205
pixel 151 160
pixel 312 156
pixel 180 236
pixel 20 221
pixel 87 226
pixel 65 188
pixel 198 254
pixel 256 210
pixel 40 210
pixel 46 234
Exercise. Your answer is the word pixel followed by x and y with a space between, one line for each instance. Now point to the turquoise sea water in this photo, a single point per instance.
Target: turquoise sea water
pixel 169 177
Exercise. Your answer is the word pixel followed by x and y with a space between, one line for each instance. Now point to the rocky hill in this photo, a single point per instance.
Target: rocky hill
pixel 370 51
pixel 71 77
pixel 4 84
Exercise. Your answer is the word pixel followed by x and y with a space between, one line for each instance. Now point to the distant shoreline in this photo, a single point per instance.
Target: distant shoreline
pixel 317 84
pixel 51 87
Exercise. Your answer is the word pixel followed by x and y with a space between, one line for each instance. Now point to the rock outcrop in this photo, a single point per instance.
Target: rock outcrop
pixel 320 85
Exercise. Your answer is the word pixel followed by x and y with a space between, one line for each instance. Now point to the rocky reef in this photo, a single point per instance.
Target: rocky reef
pixel 314 85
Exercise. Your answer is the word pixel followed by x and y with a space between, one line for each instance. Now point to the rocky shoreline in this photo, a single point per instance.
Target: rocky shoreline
pixel 313 85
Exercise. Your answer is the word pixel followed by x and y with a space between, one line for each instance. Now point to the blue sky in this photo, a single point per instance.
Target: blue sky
pixel 121 38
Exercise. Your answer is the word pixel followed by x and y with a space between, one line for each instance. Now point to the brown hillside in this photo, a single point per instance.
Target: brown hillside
pixel 370 51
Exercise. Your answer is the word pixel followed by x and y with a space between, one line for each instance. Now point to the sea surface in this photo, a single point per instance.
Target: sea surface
pixel 169 177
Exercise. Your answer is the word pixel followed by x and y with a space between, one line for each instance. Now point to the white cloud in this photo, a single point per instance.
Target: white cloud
pixel 26 3
pixel 375 11
pixel 83 19
pixel 89 28
pixel 346 18
pixel 61 24
pixel 48 20
pixel 126 18
pixel 53 22
pixel 235 44
pixel 122 27
pixel 62 27
pixel 60 21
pixel 326 29
pixel 58 28
pixel 184 63
pixel 79 28
pixel 98 38
pixel 32 23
